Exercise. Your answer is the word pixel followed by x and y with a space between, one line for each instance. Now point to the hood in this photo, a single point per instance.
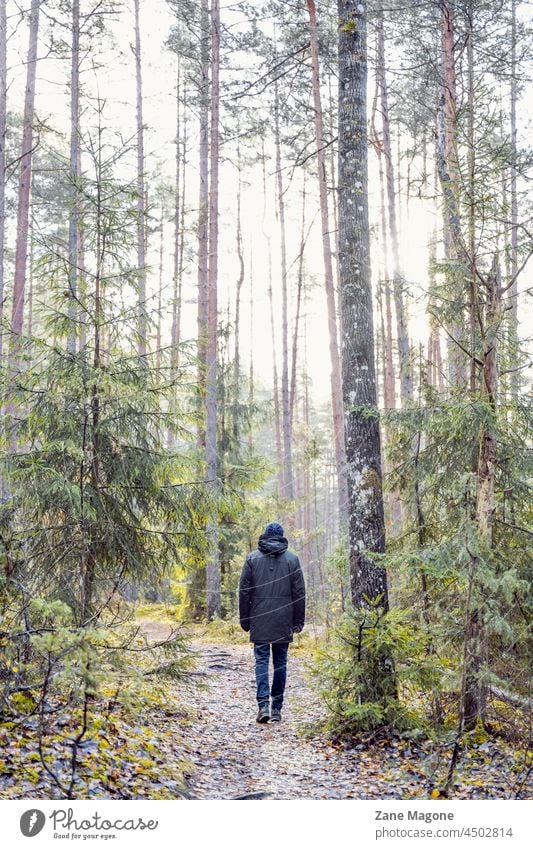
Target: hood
pixel 272 544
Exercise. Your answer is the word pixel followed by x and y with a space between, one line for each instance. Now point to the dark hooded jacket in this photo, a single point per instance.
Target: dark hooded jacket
pixel 272 592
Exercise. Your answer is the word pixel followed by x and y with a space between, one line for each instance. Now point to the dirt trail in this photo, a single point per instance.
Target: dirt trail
pixel 234 757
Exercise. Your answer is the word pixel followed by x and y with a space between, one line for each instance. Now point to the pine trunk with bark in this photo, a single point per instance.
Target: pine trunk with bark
pixel 363 449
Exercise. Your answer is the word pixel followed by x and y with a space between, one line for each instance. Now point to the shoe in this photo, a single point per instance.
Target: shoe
pixel 263 715
pixel 275 715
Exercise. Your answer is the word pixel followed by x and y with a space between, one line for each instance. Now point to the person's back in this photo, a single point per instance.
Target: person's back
pixel 271 608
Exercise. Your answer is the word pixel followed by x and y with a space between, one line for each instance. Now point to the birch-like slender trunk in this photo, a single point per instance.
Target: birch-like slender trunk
pixel 142 319
pixel 336 383
pixel 363 449
pixel 213 567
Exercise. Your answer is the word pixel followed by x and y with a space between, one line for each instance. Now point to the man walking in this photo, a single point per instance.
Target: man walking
pixel 271 608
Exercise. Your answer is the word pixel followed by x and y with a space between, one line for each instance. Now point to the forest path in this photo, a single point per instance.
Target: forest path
pixel 235 757
pixel 231 756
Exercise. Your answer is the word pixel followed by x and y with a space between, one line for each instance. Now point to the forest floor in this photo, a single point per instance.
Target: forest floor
pixel 197 738
pixel 231 756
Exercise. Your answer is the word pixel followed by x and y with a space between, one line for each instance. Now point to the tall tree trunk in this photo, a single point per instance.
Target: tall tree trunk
pixel 275 385
pixel 336 384
pixel 31 281
pixel 275 382
pixel 142 320
pixel 471 166
pixel 82 279
pixel 174 332
pixel 447 160
pixel 240 281
pixel 514 203
pixel 251 378
pixel 363 450
pixel 213 568
pixel 294 358
pixel 389 392
pixel 333 178
pixel 436 372
pixel 21 250
pixel 3 121
pixel 475 690
pixel 179 245
pixel 307 525
pixel 203 215
pixel 402 332
pixel 73 229
pixel 91 433
pixel 434 353
pixel 158 338
pixel 288 482
pixel 181 263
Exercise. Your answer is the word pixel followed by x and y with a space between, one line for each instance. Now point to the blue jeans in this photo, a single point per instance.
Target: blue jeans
pixel 279 657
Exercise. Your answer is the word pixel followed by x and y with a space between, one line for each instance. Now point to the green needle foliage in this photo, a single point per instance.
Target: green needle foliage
pixel 98 502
